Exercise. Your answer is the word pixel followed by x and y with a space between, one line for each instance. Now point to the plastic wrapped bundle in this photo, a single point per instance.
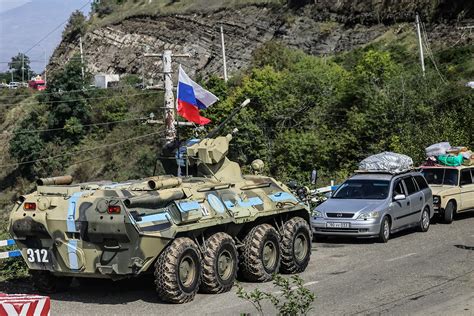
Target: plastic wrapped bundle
pixel 451 160
pixel 437 149
pixel 387 161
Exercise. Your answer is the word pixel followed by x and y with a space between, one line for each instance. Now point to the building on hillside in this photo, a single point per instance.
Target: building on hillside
pixel 104 81
pixel 37 83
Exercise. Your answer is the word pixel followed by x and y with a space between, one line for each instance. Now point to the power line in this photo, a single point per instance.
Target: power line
pixel 19 62
pixel 62 128
pixel 82 99
pixel 430 53
pixel 80 151
pixel 92 158
pixel 63 92
pixel 55 29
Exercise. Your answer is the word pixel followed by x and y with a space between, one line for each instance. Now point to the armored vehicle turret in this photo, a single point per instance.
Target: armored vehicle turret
pixel 190 232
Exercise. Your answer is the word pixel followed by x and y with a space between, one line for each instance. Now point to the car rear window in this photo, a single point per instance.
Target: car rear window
pixel 421 182
pixel 411 188
pixel 466 177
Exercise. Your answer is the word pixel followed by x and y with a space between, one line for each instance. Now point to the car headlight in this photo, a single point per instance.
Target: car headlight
pixel 436 199
pixel 369 215
pixel 317 214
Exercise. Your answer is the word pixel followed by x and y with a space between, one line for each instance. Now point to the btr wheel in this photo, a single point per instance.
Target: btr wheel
pixel 260 255
pixel 424 224
pixel 384 234
pixel 178 271
pixel 219 264
pixel 295 246
pixel 46 282
pixel 449 213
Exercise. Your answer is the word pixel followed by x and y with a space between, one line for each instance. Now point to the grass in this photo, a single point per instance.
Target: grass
pixel 11 268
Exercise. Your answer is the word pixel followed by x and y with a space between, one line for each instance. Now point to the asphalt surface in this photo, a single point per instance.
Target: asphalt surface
pixel 414 273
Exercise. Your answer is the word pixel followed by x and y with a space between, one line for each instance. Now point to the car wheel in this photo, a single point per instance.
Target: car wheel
pixel 449 213
pixel 178 271
pixel 219 264
pixel 384 234
pixel 260 254
pixel 424 224
pixel 295 246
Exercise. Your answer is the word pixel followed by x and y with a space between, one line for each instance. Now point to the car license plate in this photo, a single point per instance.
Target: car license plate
pixel 338 225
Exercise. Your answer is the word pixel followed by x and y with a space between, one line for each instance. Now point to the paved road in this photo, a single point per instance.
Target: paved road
pixel 414 273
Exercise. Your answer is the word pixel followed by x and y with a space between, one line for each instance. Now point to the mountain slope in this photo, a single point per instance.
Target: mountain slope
pixel 116 42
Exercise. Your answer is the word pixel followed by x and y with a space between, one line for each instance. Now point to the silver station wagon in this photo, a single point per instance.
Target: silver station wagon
pixel 375 204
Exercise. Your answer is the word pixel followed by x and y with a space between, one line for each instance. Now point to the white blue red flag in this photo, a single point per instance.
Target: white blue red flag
pixel 192 98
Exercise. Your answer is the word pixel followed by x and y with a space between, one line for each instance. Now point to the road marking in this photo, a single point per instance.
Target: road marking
pixel 310 283
pixel 401 257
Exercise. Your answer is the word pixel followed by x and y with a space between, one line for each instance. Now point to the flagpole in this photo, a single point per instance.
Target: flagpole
pixel 177 121
pixel 177 94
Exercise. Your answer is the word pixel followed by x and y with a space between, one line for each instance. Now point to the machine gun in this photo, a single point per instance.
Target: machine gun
pixel 311 197
pixel 174 156
pixel 217 129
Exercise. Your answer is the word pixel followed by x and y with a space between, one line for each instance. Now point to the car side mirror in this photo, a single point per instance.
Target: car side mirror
pixel 399 197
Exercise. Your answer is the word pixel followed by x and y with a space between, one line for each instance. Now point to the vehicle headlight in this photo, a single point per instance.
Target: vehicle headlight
pixel 369 215
pixel 317 214
pixel 436 199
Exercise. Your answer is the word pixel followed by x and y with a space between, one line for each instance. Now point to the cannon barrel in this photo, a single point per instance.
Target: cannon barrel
pixel 154 201
pixel 62 180
pixel 217 130
pixel 159 184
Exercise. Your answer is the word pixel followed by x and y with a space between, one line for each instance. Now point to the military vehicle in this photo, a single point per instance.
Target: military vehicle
pixel 192 232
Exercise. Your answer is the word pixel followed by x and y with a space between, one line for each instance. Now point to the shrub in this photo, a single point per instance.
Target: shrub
pixel 291 299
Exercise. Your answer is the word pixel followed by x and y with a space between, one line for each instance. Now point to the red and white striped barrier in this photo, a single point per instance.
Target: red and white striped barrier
pixel 24 305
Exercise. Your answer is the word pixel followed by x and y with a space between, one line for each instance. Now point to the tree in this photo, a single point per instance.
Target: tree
pixel 62 107
pixel 75 27
pixel 20 66
pixel 26 147
pixel 376 67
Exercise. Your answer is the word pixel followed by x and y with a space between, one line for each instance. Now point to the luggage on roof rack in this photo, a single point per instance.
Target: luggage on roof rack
pixel 386 162
pixel 437 149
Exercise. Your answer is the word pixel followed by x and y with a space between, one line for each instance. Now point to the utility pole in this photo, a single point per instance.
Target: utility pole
pixel 223 54
pixel 420 44
pixel 170 120
pixel 82 60
pixel 22 68
pixel 45 65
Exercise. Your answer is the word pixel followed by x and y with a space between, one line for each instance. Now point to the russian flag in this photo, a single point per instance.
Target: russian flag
pixel 192 98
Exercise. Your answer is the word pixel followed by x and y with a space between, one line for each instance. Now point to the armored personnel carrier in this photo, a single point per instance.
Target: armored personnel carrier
pixel 192 232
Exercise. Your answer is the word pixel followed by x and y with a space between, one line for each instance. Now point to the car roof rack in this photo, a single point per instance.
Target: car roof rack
pixel 393 173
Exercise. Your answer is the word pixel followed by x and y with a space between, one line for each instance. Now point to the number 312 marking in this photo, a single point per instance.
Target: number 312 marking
pixel 37 255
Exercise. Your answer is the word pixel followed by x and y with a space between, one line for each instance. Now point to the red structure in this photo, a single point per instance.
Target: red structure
pixel 24 304
pixel 37 83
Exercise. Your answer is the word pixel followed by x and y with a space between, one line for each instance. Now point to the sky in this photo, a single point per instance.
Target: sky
pixel 23 23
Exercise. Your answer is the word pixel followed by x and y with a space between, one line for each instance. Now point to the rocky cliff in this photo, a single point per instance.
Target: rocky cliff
pixel 317 27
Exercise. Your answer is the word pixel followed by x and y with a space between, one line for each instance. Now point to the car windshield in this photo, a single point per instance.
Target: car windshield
pixel 363 189
pixel 441 176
